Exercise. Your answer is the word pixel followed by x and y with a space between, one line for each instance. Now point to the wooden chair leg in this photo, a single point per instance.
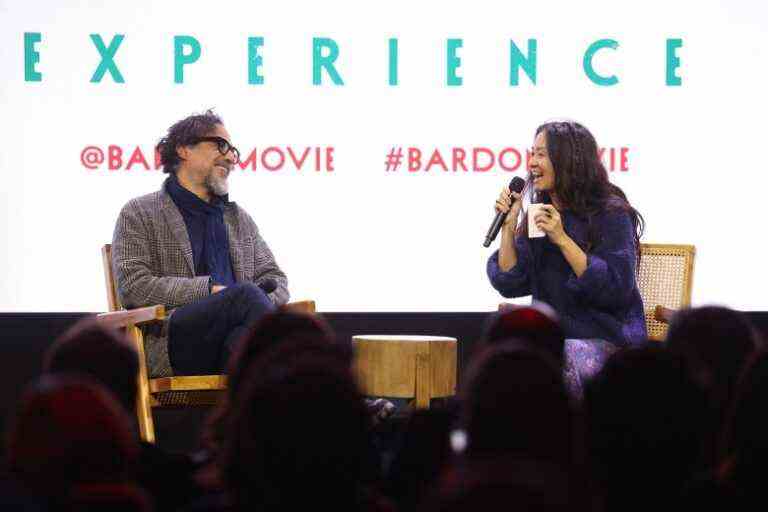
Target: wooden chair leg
pixel 143 398
pixel 423 381
pixel 144 414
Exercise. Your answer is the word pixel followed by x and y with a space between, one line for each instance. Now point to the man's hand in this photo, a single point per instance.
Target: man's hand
pixel 217 288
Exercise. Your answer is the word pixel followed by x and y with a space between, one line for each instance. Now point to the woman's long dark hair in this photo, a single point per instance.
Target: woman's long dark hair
pixel 581 180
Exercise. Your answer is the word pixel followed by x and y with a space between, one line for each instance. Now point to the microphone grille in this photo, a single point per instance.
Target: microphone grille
pixel 517 184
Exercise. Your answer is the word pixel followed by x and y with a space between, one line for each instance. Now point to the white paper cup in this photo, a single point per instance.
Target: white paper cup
pixel 533 230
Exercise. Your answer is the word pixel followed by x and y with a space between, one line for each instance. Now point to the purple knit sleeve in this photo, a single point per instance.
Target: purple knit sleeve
pixel 609 280
pixel 516 282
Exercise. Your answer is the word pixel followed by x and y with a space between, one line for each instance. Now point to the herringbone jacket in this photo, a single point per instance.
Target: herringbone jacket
pixel 152 262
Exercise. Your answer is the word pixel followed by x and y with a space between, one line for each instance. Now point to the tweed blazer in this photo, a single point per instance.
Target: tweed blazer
pixel 153 264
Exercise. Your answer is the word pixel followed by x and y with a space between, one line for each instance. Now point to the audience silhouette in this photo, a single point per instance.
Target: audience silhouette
pixel 678 423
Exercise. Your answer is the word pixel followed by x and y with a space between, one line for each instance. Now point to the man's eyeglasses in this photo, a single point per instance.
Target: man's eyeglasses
pixel 222 144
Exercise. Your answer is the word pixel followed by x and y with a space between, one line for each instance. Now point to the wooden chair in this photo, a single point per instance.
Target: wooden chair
pixel 184 391
pixel 665 279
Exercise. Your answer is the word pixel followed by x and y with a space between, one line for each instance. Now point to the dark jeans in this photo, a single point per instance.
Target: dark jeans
pixel 201 335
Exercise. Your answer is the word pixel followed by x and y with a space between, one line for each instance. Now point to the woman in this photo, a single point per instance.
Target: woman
pixel 585 267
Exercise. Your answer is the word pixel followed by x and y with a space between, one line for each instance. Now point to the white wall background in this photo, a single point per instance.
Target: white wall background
pixel 360 239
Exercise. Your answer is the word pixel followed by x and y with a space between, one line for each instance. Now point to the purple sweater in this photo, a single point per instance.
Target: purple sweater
pixel 604 302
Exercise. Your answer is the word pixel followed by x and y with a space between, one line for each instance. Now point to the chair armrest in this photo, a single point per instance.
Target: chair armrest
pixel 303 306
pixel 138 316
pixel 664 315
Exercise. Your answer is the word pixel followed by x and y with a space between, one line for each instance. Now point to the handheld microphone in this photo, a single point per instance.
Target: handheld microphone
pixel 268 285
pixel 516 185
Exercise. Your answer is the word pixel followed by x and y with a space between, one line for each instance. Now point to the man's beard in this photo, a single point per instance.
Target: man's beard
pixel 217 186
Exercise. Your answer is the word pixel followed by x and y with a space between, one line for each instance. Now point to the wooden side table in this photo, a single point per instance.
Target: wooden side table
pixel 401 366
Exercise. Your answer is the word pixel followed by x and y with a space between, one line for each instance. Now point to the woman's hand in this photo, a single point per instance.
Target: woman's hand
pixel 548 220
pixel 509 202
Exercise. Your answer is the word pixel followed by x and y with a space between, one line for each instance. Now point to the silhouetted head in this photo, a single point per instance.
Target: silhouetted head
pixel 69 432
pixel 745 444
pixel 272 330
pixel 423 453
pixel 716 343
pixel 515 402
pixel 647 422
pixel 537 326
pixel 101 353
pixel 298 434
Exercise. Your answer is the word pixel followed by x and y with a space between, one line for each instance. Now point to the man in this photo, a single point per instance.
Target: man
pixel 191 249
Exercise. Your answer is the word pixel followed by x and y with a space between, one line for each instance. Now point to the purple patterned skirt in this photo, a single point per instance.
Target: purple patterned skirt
pixel 583 360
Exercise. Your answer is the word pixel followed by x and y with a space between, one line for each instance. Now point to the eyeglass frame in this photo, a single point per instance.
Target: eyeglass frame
pixel 220 142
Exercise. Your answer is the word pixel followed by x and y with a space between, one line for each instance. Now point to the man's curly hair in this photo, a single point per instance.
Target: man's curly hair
pixel 184 133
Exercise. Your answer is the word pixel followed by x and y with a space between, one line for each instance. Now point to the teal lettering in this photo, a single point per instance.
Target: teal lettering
pixel 590 71
pixel 107 58
pixel 673 62
pixel 453 62
pixel 320 62
pixel 393 61
pixel 518 60
pixel 181 58
pixel 32 57
pixel 255 60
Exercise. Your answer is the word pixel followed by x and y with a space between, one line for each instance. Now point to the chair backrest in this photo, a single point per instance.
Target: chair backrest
pixel 109 277
pixel 665 279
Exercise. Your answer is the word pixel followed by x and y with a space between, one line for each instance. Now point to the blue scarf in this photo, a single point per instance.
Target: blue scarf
pixel 206 230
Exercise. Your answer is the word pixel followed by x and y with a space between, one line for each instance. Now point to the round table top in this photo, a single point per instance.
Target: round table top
pixel 400 337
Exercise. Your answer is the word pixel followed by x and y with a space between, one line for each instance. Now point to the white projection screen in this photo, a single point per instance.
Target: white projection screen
pixel 675 92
